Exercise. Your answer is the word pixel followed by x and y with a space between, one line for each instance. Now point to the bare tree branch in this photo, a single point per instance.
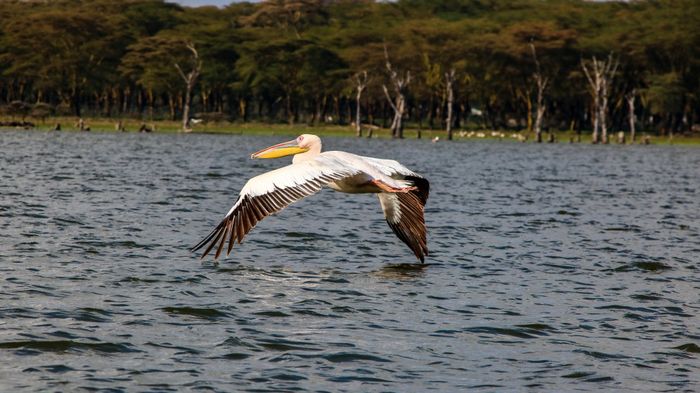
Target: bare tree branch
pixel 450 78
pixel 398 104
pixel 361 83
pixel 541 82
pixel 190 78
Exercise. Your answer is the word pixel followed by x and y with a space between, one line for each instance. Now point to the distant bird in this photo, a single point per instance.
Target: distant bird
pixel 402 193
pixel 436 139
pixel 195 121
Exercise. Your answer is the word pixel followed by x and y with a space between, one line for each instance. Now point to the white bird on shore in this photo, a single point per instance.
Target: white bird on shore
pixel 402 193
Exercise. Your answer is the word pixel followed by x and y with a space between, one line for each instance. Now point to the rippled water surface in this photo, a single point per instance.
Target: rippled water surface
pixel 552 267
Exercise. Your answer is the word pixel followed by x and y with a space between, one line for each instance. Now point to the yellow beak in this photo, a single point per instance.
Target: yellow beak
pixel 280 150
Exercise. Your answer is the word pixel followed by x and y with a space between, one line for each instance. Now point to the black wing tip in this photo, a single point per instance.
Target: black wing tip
pixel 211 239
pixel 423 191
pixel 422 254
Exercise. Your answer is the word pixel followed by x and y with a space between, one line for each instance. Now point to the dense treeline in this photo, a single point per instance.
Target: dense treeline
pixel 517 64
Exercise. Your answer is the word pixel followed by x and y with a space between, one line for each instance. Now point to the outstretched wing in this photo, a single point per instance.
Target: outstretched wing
pixel 404 214
pixel 269 193
pixel 404 211
pixel 395 170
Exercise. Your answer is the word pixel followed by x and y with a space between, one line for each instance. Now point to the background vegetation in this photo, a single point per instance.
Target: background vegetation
pixel 298 61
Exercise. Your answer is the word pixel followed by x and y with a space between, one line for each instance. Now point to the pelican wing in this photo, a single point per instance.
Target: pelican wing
pixel 395 170
pixel 269 193
pixel 404 214
pixel 390 168
pixel 404 211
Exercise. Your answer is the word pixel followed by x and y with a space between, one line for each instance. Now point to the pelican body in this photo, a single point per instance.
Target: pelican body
pixel 402 193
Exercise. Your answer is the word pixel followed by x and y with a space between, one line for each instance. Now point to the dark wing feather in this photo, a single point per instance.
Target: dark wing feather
pixel 423 186
pixel 249 210
pixel 404 214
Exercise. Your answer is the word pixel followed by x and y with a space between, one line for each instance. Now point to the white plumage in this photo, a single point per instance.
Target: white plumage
pixel 402 193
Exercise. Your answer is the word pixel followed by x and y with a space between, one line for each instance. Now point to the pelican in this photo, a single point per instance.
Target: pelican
pixel 402 193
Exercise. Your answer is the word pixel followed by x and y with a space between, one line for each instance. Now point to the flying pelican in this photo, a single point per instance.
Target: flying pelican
pixel 402 193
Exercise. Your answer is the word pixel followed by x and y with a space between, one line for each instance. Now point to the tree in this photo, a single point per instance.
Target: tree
pixel 189 76
pixel 149 64
pixel 69 65
pixel 361 85
pixel 541 82
pixel 292 15
pixel 398 103
pixel 666 98
pixel 41 110
pixel 19 108
pixel 630 99
pixel 294 60
pixel 450 79
pixel 599 79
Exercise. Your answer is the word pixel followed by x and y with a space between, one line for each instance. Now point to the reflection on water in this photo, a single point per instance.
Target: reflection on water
pixel 552 267
pixel 403 270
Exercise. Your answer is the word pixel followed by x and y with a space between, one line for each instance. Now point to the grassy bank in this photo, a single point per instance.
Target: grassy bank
pixel 166 126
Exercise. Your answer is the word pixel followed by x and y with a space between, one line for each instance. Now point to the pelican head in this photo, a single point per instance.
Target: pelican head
pixel 302 144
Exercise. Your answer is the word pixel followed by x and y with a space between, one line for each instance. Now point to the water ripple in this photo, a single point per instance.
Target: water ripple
pixel 552 268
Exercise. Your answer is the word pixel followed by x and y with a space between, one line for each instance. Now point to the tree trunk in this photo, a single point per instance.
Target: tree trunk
pixel 361 80
pixel 126 93
pixel 186 110
pixel 538 119
pixel 603 110
pixel 358 114
pixel 630 116
pixel 398 103
pixel 336 110
pixel 599 79
pixel 596 117
pixel 242 109
pixel 431 111
pixel 316 117
pixel 190 79
pixel 348 108
pixel 530 122
pixel 399 117
pixel 288 109
pixel 324 109
pixel 75 99
pixel 449 87
pixel 149 98
pixel 206 95
pixel 541 84
pixel 421 112
pixel 171 106
pixel 539 114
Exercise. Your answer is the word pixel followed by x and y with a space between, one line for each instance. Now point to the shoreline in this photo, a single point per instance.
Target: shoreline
pixel 101 125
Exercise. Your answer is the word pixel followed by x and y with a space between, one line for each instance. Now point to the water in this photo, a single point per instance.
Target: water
pixel 552 267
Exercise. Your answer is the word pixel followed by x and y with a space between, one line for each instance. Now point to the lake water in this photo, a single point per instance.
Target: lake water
pixel 552 268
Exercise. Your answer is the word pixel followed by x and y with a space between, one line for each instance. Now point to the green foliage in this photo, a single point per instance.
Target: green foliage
pixel 150 62
pixel 665 93
pixel 300 55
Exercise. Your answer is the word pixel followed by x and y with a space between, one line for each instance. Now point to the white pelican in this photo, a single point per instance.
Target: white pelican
pixel 402 193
